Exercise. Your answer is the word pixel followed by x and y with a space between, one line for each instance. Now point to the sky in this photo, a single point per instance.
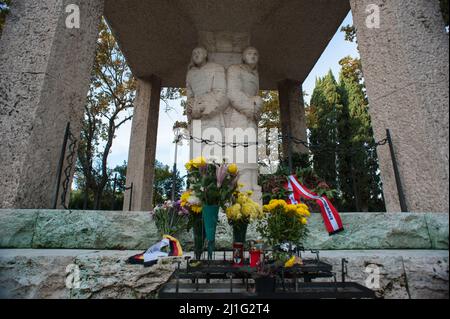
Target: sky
pixel 165 150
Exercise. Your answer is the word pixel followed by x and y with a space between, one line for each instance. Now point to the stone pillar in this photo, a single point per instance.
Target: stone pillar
pixel 292 114
pixel 44 78
pixel 405 63
pixel 141 157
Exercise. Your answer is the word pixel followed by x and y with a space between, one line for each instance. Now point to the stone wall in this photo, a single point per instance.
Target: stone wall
pixel 135 230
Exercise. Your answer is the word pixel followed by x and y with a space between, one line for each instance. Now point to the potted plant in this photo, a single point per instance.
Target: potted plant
pixel 214 184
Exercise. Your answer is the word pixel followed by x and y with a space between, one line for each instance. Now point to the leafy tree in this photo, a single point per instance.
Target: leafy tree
pixel 350 32
pixel 270 120
pixel 112 92
pixel 179 185
pixel 359 180
pixel 108 107
pixel 322 119
pixel 113 194
pixel 163 184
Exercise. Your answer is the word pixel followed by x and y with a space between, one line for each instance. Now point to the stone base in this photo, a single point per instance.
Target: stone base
pixel 105 274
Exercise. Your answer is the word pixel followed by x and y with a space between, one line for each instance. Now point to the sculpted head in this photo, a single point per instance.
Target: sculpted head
pixel 199 56
pixel 251 57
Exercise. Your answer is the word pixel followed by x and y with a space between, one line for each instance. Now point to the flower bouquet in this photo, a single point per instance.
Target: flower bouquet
pixel 241 213
pixel 214 184
pixel 192 204
pixel 284 223
pixel 170 218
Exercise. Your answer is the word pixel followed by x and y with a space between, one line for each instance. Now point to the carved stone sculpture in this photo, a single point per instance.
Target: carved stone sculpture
pixel 244 113
pixel 206 97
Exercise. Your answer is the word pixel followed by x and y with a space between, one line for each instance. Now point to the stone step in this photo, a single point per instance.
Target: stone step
pixel 80 274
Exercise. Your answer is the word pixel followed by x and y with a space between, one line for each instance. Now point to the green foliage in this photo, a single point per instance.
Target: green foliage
pixel 111 95
pixel 350 32
pixel 170 219
pixel 342 142
pixel 111 200
pixel 212 183
pixel 322 118
pixel 109 106
pixel 359 180
pixel 280 227
pixel 273 186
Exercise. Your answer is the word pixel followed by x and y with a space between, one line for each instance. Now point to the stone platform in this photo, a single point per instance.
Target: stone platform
pixel 42 273
pixel 40 249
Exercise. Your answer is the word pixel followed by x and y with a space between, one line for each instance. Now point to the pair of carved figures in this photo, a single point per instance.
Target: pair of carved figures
pixel 225 99
pixel 228 98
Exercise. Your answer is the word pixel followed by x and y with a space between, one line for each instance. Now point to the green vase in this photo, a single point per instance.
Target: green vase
pixel 210 215
pixel 199 236
pixel 239 232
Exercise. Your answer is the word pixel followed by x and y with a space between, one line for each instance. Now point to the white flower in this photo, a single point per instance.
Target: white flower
pixel 193 200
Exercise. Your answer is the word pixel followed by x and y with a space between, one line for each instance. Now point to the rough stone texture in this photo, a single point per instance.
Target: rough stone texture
pixel 406 71
pixel 44 77
pixel 292 113
pixel 104 274
pixel 94 230
pixel 141 156
pixel 17 228
pixel 438 229
pixel 157 36
pixel 135 230
pixel 404 274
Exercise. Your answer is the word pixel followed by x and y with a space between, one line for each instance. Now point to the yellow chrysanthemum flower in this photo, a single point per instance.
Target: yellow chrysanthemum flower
pixel 233 169
pixel 199 162
pixel 196 209
pixel 189 166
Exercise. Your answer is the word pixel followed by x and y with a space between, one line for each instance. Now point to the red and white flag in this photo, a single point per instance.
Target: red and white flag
pixel 330 215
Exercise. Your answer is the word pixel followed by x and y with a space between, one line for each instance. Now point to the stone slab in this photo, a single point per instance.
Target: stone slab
pixel 49 274
pixel 94 230
pixel 17 228
pixel 54 274
pixel 135 230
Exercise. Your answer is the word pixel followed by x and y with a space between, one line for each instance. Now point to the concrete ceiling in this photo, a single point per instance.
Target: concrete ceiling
pixel 157 36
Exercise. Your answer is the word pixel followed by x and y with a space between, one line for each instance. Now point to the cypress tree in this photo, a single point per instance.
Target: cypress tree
pixel 359 180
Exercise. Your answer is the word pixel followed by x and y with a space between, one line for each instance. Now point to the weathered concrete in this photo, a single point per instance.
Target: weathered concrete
pixel 44 77
pixel 141 157
pixel 105 274
pixel 406 71
pixel 292 113
pixel 403 274
pixel 53 274
pixel 157 36
pixel 136 230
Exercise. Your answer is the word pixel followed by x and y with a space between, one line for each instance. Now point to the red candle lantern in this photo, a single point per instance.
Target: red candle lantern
pixel 255 257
